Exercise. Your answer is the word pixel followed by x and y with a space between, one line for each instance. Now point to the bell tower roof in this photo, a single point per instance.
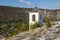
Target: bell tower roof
pixel 35 9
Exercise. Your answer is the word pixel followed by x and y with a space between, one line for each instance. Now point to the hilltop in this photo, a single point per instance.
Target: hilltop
pixel 8 13
pixel 15 14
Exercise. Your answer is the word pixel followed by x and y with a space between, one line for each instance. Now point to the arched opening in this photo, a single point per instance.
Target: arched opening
pixel 33 18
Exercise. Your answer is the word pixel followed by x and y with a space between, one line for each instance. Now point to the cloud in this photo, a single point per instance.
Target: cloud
pixel 22 1
pixel 56 5
pixel 26 2
pixel 1 4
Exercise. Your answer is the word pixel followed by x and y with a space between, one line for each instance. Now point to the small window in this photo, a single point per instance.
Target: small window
pixel 33 18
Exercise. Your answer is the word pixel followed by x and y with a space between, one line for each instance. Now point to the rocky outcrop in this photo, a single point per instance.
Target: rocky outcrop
pixel 43 33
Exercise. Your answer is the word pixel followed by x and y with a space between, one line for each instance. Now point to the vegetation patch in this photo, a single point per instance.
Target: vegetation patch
pixel 47 22
pixel 10 29
pixel 35 25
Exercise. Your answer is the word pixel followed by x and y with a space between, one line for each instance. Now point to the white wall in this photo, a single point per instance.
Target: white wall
pixel 36 17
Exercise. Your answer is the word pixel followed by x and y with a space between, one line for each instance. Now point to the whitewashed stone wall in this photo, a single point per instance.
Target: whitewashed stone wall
pixel 36 17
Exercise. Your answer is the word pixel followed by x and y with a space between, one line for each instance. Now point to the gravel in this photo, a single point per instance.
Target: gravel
pixel 41 33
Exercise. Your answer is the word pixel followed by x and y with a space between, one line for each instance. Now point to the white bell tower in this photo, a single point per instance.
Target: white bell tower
pixel 33 17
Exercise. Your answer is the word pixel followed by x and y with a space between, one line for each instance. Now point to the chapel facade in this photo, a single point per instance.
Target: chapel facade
pixel 35 16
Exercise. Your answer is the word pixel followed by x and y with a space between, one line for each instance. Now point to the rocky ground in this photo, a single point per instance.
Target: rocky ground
pixel 42 33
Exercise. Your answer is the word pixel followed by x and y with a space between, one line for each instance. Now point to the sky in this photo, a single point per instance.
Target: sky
pixel 46 4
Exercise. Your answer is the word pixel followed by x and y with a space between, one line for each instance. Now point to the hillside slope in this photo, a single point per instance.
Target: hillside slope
pixel 8 13
pixel 52 33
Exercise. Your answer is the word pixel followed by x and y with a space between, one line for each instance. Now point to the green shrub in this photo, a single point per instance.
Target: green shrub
pixel 47 22
pixel 10 29
pixel 23 27
pixel 35 25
